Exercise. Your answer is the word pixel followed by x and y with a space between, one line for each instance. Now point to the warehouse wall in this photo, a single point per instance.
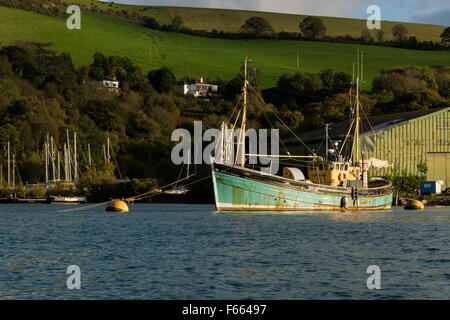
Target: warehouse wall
pixel 408 143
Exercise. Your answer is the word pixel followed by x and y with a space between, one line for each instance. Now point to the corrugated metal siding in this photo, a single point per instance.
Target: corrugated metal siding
pixel 408 143
pixel 439 167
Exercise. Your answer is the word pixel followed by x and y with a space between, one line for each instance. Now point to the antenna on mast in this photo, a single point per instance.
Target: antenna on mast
pixel 353 73
pixel 362 67
pixel 357 61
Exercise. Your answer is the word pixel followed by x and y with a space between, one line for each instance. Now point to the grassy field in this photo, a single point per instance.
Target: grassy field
pixel 232 20
pixel 197 56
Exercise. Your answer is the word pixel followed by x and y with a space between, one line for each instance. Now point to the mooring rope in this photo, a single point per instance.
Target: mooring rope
pixel 141 196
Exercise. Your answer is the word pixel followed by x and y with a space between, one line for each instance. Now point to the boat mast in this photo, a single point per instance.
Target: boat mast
pixel 9 166
pixel 13 171
pixel 357 120
pixel 46 159
pixel 69 161
pixel 52 152
pixel 75 166
pixel 59 167
pixel 244 114
pixel 89 155
pixel 66 175
pixel 326 141
pixel 108 146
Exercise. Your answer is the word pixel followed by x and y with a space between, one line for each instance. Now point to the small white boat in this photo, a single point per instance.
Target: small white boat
pixel 66 200
pixel 177 190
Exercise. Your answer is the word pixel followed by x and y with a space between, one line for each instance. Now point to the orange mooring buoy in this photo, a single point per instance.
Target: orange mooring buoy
pixel 414 205
pixel 117 206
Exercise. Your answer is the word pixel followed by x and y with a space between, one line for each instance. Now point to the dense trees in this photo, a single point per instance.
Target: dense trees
pixel 379 35
pixel 405 79
pixel 162 79
pixel 313 28
pixel 316 97
pixel 445 36
pixel 34 101
pixel 36 63
pixel 399 32
pixel 366 36
pixel 256 26
pixel 324 97
pixel 120 68
pixel 412 88
pixel 177 23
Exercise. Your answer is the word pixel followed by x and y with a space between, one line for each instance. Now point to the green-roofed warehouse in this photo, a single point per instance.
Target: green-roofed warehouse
pixel 405 139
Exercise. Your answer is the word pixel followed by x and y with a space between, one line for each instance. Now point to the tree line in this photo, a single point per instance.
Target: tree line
pixel 311 29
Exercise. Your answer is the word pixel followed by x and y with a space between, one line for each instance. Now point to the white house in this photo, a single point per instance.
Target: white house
pixel 111 83
pixel 198 88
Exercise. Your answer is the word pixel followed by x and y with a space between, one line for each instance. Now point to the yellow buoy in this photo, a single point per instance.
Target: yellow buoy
pixel 117 206
pixel 414 205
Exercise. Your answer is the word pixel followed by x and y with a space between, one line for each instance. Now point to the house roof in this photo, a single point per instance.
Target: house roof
pixel 105 79
pixel 374 123
pixel 195 82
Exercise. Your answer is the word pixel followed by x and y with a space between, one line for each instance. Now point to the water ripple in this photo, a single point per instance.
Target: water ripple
pixel 192 252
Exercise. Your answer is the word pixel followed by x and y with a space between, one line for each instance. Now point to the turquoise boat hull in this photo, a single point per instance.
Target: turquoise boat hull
pixel 243 189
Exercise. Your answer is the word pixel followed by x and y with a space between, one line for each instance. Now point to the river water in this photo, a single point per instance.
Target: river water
pixel 160 251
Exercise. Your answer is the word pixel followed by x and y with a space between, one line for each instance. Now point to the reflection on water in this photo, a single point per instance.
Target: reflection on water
pixel 193 252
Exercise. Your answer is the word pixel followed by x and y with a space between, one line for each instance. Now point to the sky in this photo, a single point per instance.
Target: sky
pixel 418 11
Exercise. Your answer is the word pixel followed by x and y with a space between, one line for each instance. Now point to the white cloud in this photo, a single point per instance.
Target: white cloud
pixel 394 10
pixel 433 17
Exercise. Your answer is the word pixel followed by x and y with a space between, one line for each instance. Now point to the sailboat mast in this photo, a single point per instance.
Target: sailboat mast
pixel 69 161
pixel 89 155
pixel 108 146
pixel 357 120
pixel 46 160
pixel 244 114
pixel 9 166
pixel 52 157
pixel 326 141
pixel 66 175
pixel 13 171
pixel 59 167
pixel 75 166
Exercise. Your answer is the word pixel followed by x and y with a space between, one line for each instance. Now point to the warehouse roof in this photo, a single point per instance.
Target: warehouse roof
pixel 340 129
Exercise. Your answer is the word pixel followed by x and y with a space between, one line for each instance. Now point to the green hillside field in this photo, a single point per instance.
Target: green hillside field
pixel 231 20
pixel 198 56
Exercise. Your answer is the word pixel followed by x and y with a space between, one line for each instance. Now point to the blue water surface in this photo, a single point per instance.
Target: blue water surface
pixel 167 251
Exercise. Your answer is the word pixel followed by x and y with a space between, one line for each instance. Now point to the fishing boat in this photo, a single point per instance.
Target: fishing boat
pixel 337 184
